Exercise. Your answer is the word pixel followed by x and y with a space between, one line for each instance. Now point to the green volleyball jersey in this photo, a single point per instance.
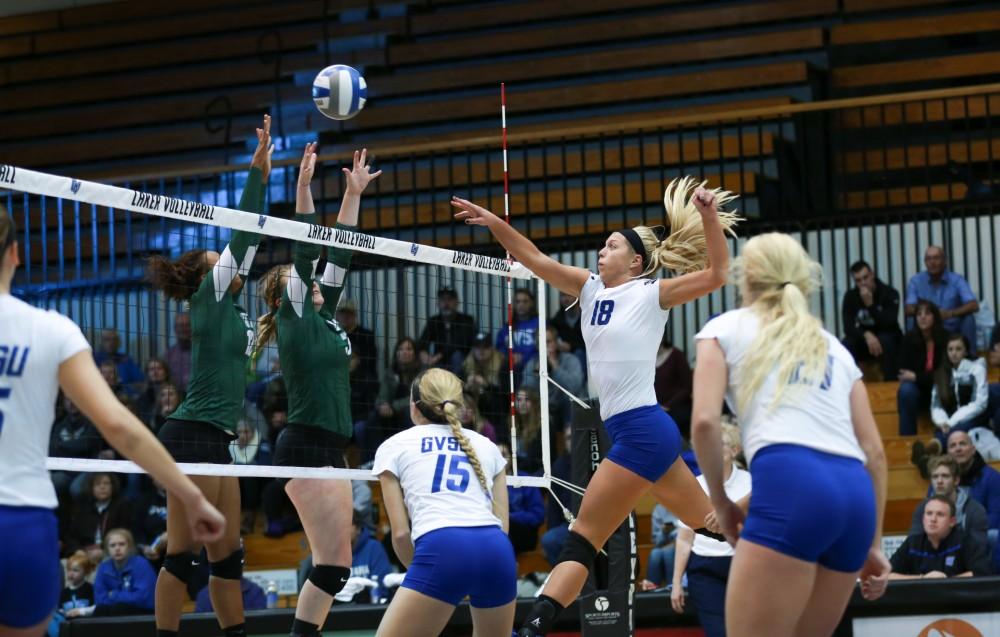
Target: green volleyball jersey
pixel 315 352
pixel 222 334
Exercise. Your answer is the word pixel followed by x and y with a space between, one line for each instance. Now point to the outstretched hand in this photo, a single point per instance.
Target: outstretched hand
pixel 262 155
pixel 307 167
pixel 360 176
pixel 472 214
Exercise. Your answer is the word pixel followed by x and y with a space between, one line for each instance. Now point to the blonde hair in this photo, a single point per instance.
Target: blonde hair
pixel 270 291
pixel 438 395
pixel 684 249
pixel 775 276
pixel 731 438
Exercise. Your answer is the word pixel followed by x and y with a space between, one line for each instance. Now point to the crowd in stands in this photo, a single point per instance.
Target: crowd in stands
pixel 116 523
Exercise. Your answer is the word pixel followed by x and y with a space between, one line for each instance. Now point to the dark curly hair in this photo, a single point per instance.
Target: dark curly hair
pixel 178 279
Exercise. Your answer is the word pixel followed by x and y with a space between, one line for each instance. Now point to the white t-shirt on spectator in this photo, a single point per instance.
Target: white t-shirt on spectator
pixel 439 485
pixel 817 416
pixel 737 486
pixel 33 343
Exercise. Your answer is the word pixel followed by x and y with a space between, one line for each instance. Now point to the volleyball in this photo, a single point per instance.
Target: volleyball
pixel 339 92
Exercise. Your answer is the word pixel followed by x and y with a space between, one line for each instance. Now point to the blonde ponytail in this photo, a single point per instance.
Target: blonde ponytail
pixel 684 249
pixel 776 275
pixel 439 393
pixel 271 284
pixel 450 413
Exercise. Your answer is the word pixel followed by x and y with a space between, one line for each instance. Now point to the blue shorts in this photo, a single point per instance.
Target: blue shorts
pixel 644 440
pixel 453 562
pixel 811 505
pixel 29 565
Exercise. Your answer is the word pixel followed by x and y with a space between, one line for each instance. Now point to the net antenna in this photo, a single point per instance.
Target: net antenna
pixel 543 359
pixel 510 310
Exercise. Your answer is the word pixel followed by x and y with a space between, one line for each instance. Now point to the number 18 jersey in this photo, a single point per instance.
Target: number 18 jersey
pixel 622 329
pixel 440 487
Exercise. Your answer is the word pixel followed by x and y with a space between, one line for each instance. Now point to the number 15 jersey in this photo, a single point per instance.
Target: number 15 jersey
pixel 440 487
pixel 622 329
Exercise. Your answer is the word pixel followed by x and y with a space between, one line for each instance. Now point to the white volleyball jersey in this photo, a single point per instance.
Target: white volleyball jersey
pixel 622 329
pixel 440 487
pixel 33 343
pixel 737 486
pixel 817 416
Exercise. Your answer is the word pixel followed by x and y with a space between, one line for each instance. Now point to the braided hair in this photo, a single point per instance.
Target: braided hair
pixel 437 393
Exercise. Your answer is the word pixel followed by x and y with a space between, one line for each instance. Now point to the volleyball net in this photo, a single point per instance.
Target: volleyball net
pixel 392 292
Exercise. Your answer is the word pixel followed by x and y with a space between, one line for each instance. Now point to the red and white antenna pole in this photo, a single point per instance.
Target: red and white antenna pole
pixel 510 296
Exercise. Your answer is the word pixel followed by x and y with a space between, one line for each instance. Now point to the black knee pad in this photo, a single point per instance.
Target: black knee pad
pixel 578 549
pixel 329 579
pixel 181 565
pixel 230 567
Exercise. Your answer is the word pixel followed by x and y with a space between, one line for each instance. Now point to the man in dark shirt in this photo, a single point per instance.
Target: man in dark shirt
pixel 942 549
pixel 448 335
pixel 363 370
pixel 871 320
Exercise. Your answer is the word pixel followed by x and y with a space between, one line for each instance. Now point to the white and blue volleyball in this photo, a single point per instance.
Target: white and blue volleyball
pixel 339 92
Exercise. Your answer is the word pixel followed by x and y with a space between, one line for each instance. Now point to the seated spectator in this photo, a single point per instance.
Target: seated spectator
pixel 660 569
pixel 993 405
pixel 78 592
pixel 970 515
pixel 469 414
pixel 921 353
pixel 150 524
pixel 524 333
pixel 557 527
pixel 178 358
pixel 565 369
pixel 706 561
pixel 392 407
pixel 369 560
pixel 672 384
pixel 526 509
pixel 949 291
pixel 73 436
pixel 124 393
pixel 982 480
pixel 481 372
pixel 364 360
pixel 249 449
pixel 168 400
pixel 567 322
pixel 528 411
pixel 447 337
pixel 148 400
pixel 254 598
pixel 101 508
pixel 129 373
pixel 940 549
pixel 125 583
pixel 959 395
pixel 870 313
